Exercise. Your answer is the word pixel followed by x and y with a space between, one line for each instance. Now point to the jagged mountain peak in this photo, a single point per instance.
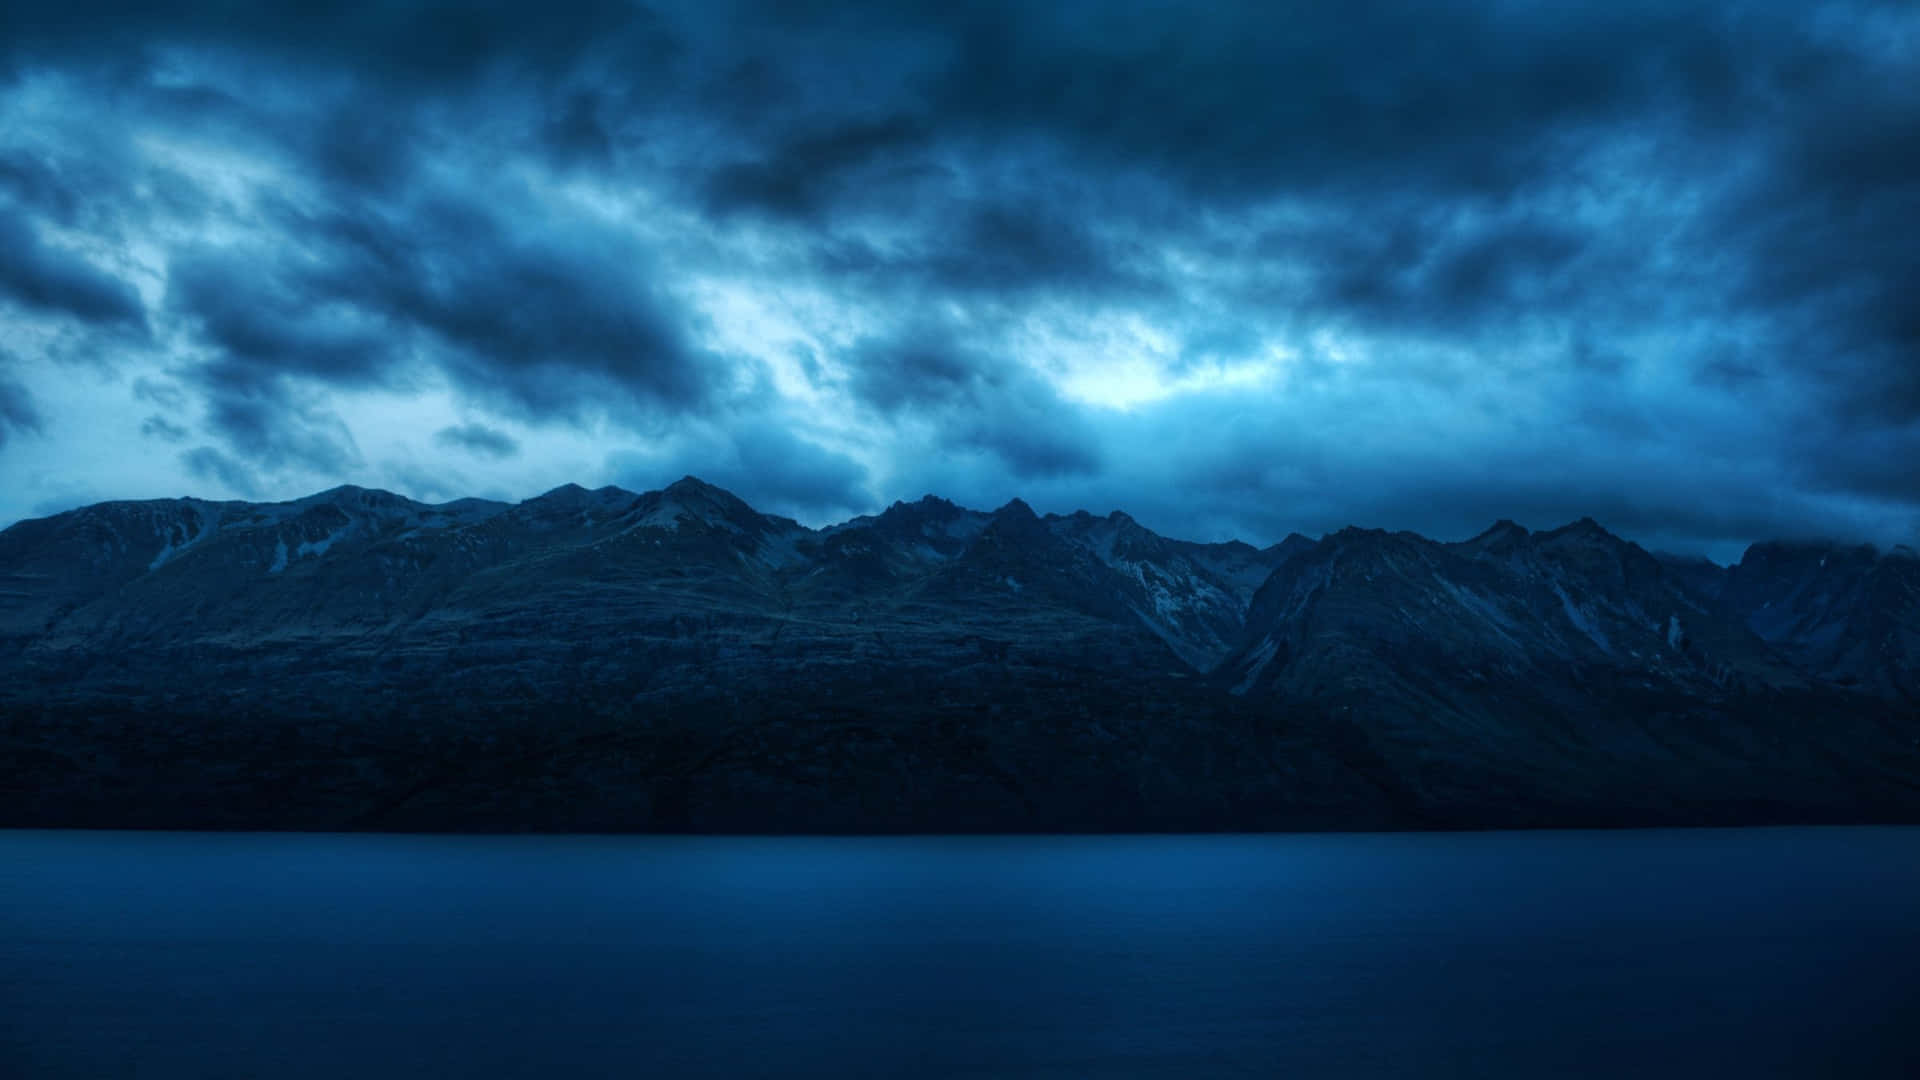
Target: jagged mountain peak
pixel 693 485
pixel 352 500
pixel 1016 524
pixel 1810 548
pixel 1696 572
pixel 1675 558
pixel 1017 509
pixel 693 499
pixel 693 491
pixel 1587 543
pixel 1504 529
pixel 1358 536
pixel 353 493
pixel 575 493
pixel 1585 530
pixel 925 508
pixel 567 490
pixel 471 507
pixel 573 496
pixel 928 530
pixel 139 506
pixel 1292 545
pixel 1503 539
pixel 1083 521
pixel 571 504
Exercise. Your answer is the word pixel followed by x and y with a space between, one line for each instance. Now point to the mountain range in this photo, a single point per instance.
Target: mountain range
pixel 676 660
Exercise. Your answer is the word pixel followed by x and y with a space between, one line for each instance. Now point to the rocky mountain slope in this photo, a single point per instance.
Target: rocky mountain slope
pixel 1848 615
pixel 677 660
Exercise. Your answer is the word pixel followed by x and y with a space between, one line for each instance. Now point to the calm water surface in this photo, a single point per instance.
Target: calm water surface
pixel 1775 952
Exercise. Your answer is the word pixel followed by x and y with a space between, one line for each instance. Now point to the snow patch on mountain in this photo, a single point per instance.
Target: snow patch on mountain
pixel 208 525
pixel 1581 620
pixel 320 546
pixel 1257 663
pixel 1487 610
pixel 779 550
pixel 667 516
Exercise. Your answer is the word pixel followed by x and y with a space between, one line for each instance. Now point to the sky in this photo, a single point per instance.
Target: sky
pixel 1240 269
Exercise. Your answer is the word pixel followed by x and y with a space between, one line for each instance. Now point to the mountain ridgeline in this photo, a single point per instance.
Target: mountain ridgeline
pixel 678 661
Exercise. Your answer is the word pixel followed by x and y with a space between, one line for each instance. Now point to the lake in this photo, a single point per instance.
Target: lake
pixel 1698 953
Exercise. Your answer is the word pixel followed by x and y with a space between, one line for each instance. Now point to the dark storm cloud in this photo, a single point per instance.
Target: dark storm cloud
pixel 919 369
pixel 1477 108
pixel 546 323
pixel 272 429
pixel 263 335
pixel 1028 437
pixel 159 427
pixel 1877 461
pixel 33 183
pixel 763 462
pixel 478 439
pixel 266 323
pixel 1005 248
pixel 978 399
pixel 44 278
pixel 799 178
pixel 1427 276
pixel 1637 260
pixel 435 44
pixel 18 414
pixel 576 131
pixel 547 326
pixel 1455 99
pixel 378 273
pixel 1826 231
pixel 366 146
pixel 159 392
pixel 210 464
pixel 438 484
pixel 976 247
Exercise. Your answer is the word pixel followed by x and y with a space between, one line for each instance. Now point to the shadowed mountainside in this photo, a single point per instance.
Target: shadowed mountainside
pixel 676 660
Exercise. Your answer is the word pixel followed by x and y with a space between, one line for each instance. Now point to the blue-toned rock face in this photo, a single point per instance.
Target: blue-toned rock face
pixel 1847 614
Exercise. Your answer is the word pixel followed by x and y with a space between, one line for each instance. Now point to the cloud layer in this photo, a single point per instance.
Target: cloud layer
pixel 1243 271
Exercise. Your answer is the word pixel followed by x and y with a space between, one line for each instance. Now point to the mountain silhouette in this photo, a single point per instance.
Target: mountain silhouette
pixel 677 660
